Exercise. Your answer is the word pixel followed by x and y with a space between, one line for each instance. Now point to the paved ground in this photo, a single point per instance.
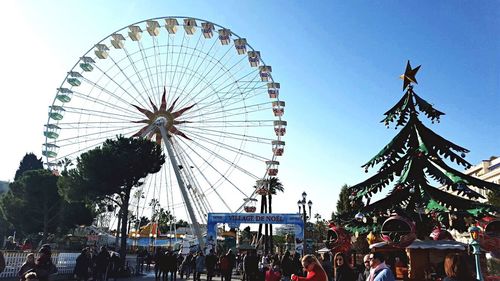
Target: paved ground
pixel 151 276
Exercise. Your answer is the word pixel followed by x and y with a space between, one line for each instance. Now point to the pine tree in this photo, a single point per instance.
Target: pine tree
pixel 422 186
pixel 29 163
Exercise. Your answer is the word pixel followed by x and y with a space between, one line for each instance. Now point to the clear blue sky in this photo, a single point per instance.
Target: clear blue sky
pixel 338 63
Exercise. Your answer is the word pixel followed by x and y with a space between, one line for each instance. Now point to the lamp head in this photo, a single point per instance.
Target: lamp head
pixel 310 203
pixel 304 195
pixel 474 232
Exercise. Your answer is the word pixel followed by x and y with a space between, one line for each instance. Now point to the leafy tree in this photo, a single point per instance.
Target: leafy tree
pixel 28 163
pixel 34 205
pixel 165 220
pixel 270 187
pixel 494 198
pixel 274 186
pixel 411 161
pixel 110 172
pixel 143 221
pixel 345 203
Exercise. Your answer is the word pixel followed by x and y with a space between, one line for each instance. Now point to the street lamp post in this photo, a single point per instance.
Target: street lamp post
pixel 302 207
pixel 476 250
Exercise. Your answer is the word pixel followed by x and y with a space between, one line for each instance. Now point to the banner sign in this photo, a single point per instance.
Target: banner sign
pixel 235 219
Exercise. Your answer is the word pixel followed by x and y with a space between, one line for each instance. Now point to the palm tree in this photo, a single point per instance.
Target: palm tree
pixel 274 186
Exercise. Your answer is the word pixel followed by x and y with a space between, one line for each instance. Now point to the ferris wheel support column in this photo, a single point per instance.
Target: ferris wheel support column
pixel 160 123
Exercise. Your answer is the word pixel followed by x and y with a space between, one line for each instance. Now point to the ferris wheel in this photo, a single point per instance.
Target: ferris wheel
pixel 194 87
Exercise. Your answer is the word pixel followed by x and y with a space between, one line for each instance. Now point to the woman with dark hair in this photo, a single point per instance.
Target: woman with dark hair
pixel 343 272
pixel 82 266
pixel 456 268
pixel 314 270
pixel 27 267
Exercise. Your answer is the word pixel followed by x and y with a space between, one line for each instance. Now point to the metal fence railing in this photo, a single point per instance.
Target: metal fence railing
pixel 65 262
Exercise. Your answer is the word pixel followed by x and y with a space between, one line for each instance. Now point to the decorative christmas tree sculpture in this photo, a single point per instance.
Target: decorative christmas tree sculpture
pixel 424 188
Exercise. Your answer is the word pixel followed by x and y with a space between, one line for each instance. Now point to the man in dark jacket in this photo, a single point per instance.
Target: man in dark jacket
pixel 102 263
pixel 210 263
pixel 232 263
pixel 251 266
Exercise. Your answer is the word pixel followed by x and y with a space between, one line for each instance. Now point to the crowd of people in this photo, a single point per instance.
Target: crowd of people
pixel 168 265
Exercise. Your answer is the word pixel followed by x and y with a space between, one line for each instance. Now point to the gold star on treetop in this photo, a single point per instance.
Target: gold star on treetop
pixel 409 75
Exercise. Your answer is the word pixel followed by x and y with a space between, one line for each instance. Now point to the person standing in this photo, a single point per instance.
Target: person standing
pixel 232 263
pixel 273 273
pixel 251 266
pixel 27 266
pixel 82 266
pixel 200 266
pixel 343 272
pixel 326 263
pixel 210 263
pixel 43 265
pixel 363 275
pixel 379 270
pixel 225 268
pixel 101 264
pixel 286 266
pixel 456 268
pixel 313 268
pixel 2 262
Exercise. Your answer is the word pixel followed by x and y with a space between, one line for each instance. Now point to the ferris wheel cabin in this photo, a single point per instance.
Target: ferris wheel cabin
pixel 153 27
pixel 190 26
pixel 135 32
pixel 208 29
pixel 86 64
pixel 50 150
pixel 225 36
pixel 64 94
pixel 117 41
pixel 56 112
pixel 272 168
pixel 280 127
pixel 264 72
pixel 254 58
pixel 51 131
pixel 278 147
pixel 278 108
pixel 102 51
pixel 273 89
pixel 171 25
pixel 241 45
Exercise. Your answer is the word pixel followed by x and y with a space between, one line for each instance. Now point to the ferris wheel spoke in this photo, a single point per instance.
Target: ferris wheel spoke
pixel 96 141
pixel 230 123
pixel 236 136
pixel 85 136
pixel 177 63
pixel 147 67
pixel 212 81
pixel 236 99
pixel 230 90
pixel 193 164
pixel 97 113
pixel 119 85
pixel 186 66
pixel 199 66
pixel 204 74
pixel 229 135
pixel 224 159
pixel 242 110
pixel 217 171
pixel 229 147
pixel 157 70
pixel 139 78
pixel 105 103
